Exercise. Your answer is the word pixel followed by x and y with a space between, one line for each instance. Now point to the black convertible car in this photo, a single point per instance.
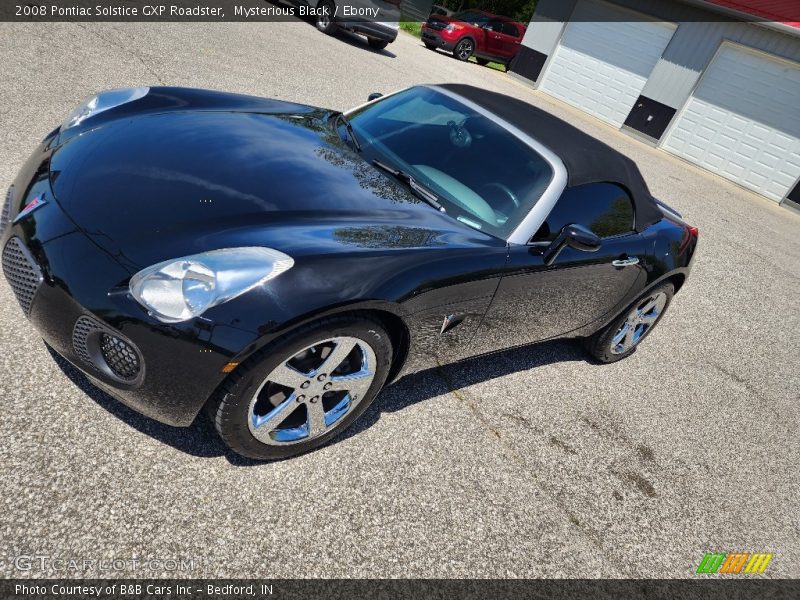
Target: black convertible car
pixel 279 263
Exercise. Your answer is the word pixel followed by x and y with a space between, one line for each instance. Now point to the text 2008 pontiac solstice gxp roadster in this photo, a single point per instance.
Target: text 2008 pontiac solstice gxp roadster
pixel 279 263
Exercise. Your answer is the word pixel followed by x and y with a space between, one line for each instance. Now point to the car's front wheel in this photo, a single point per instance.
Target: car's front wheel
pixel 325 21
pixel 624 334
pixel 464 49
pixel 302 390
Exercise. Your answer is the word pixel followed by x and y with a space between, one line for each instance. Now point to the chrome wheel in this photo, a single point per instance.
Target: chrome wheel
pixel 307 395
pixel 464 49
pixel 638 322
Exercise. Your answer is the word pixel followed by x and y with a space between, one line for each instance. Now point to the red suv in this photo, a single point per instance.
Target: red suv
pixel 487 36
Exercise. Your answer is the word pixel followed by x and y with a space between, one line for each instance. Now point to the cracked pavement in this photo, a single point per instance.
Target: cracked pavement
pixel 528 463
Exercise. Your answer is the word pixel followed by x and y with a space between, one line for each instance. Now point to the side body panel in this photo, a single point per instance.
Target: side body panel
pixel 536 302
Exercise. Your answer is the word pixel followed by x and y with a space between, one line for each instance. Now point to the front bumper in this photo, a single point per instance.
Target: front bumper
pixel 163 372
pixel 75 295
pixel 378 31
pixel 431 36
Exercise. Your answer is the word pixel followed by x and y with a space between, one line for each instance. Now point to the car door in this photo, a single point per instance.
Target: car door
pixel 510 39
pixel 535 301
pixel 493 32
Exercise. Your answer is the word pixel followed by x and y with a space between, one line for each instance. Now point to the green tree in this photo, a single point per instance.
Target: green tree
pixel 519 10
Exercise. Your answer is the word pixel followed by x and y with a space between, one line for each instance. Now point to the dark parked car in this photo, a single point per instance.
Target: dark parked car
pixel 280 263
pixel 377 20
pixel 488 37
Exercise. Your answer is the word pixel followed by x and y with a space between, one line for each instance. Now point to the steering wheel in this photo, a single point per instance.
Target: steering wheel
pixel 459 136
pixel 505 189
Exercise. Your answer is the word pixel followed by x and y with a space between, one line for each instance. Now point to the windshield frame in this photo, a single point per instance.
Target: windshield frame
pixel 529 225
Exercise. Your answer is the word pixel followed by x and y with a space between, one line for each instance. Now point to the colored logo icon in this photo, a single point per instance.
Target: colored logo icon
pixel 734 562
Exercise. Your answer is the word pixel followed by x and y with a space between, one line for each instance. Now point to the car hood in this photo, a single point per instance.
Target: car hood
pixel 444 19
pixel 452 19
pixel 158 185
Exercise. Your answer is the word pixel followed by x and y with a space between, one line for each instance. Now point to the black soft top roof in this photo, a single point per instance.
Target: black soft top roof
pixel 587 159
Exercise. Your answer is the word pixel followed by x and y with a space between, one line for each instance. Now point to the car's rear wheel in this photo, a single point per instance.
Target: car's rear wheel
pixel 304 389
pixel 377 44
pixel 325 22
pixel 621 338
pixel 482 61
pixel 464 49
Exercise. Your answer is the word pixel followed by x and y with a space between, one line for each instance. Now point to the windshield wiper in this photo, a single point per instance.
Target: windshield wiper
pixel 348 128
pixel 420 190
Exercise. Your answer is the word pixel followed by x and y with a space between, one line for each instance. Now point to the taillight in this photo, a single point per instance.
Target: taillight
pixel 690 233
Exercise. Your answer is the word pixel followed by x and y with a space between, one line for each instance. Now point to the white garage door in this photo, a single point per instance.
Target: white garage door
pixel 743 121
pixel 604 59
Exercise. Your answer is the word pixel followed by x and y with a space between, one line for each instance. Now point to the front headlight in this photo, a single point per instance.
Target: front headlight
pixel 102 102
pixel 179 289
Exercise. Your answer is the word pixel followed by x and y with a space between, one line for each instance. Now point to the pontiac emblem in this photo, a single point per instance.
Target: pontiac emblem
pixel 31 206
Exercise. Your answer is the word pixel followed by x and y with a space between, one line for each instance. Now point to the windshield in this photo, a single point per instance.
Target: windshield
pixel 483 175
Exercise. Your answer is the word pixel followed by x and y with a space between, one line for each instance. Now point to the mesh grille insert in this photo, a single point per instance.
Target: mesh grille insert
pixel 120 356
pixel 21 272
pixel 102 348
pixel 80 335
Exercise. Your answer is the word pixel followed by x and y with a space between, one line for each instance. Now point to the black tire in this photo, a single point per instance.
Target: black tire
pixel 510 64
pixel 601 344
pixel 429 46
pixel 482 61
pixel 377 44
pixel 325 21
pixel 464 49
pixel 230 407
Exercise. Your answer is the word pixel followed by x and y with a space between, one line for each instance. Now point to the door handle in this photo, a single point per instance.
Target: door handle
pixel 625 262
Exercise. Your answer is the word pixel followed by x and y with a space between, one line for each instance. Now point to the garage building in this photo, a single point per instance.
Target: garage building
pixel 714 82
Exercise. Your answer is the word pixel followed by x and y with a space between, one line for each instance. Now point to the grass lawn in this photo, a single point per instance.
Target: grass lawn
pixel 492 65
pixel 412 27
pixel 415 29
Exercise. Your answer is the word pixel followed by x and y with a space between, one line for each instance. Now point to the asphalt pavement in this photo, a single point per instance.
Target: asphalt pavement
pixel 531 463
